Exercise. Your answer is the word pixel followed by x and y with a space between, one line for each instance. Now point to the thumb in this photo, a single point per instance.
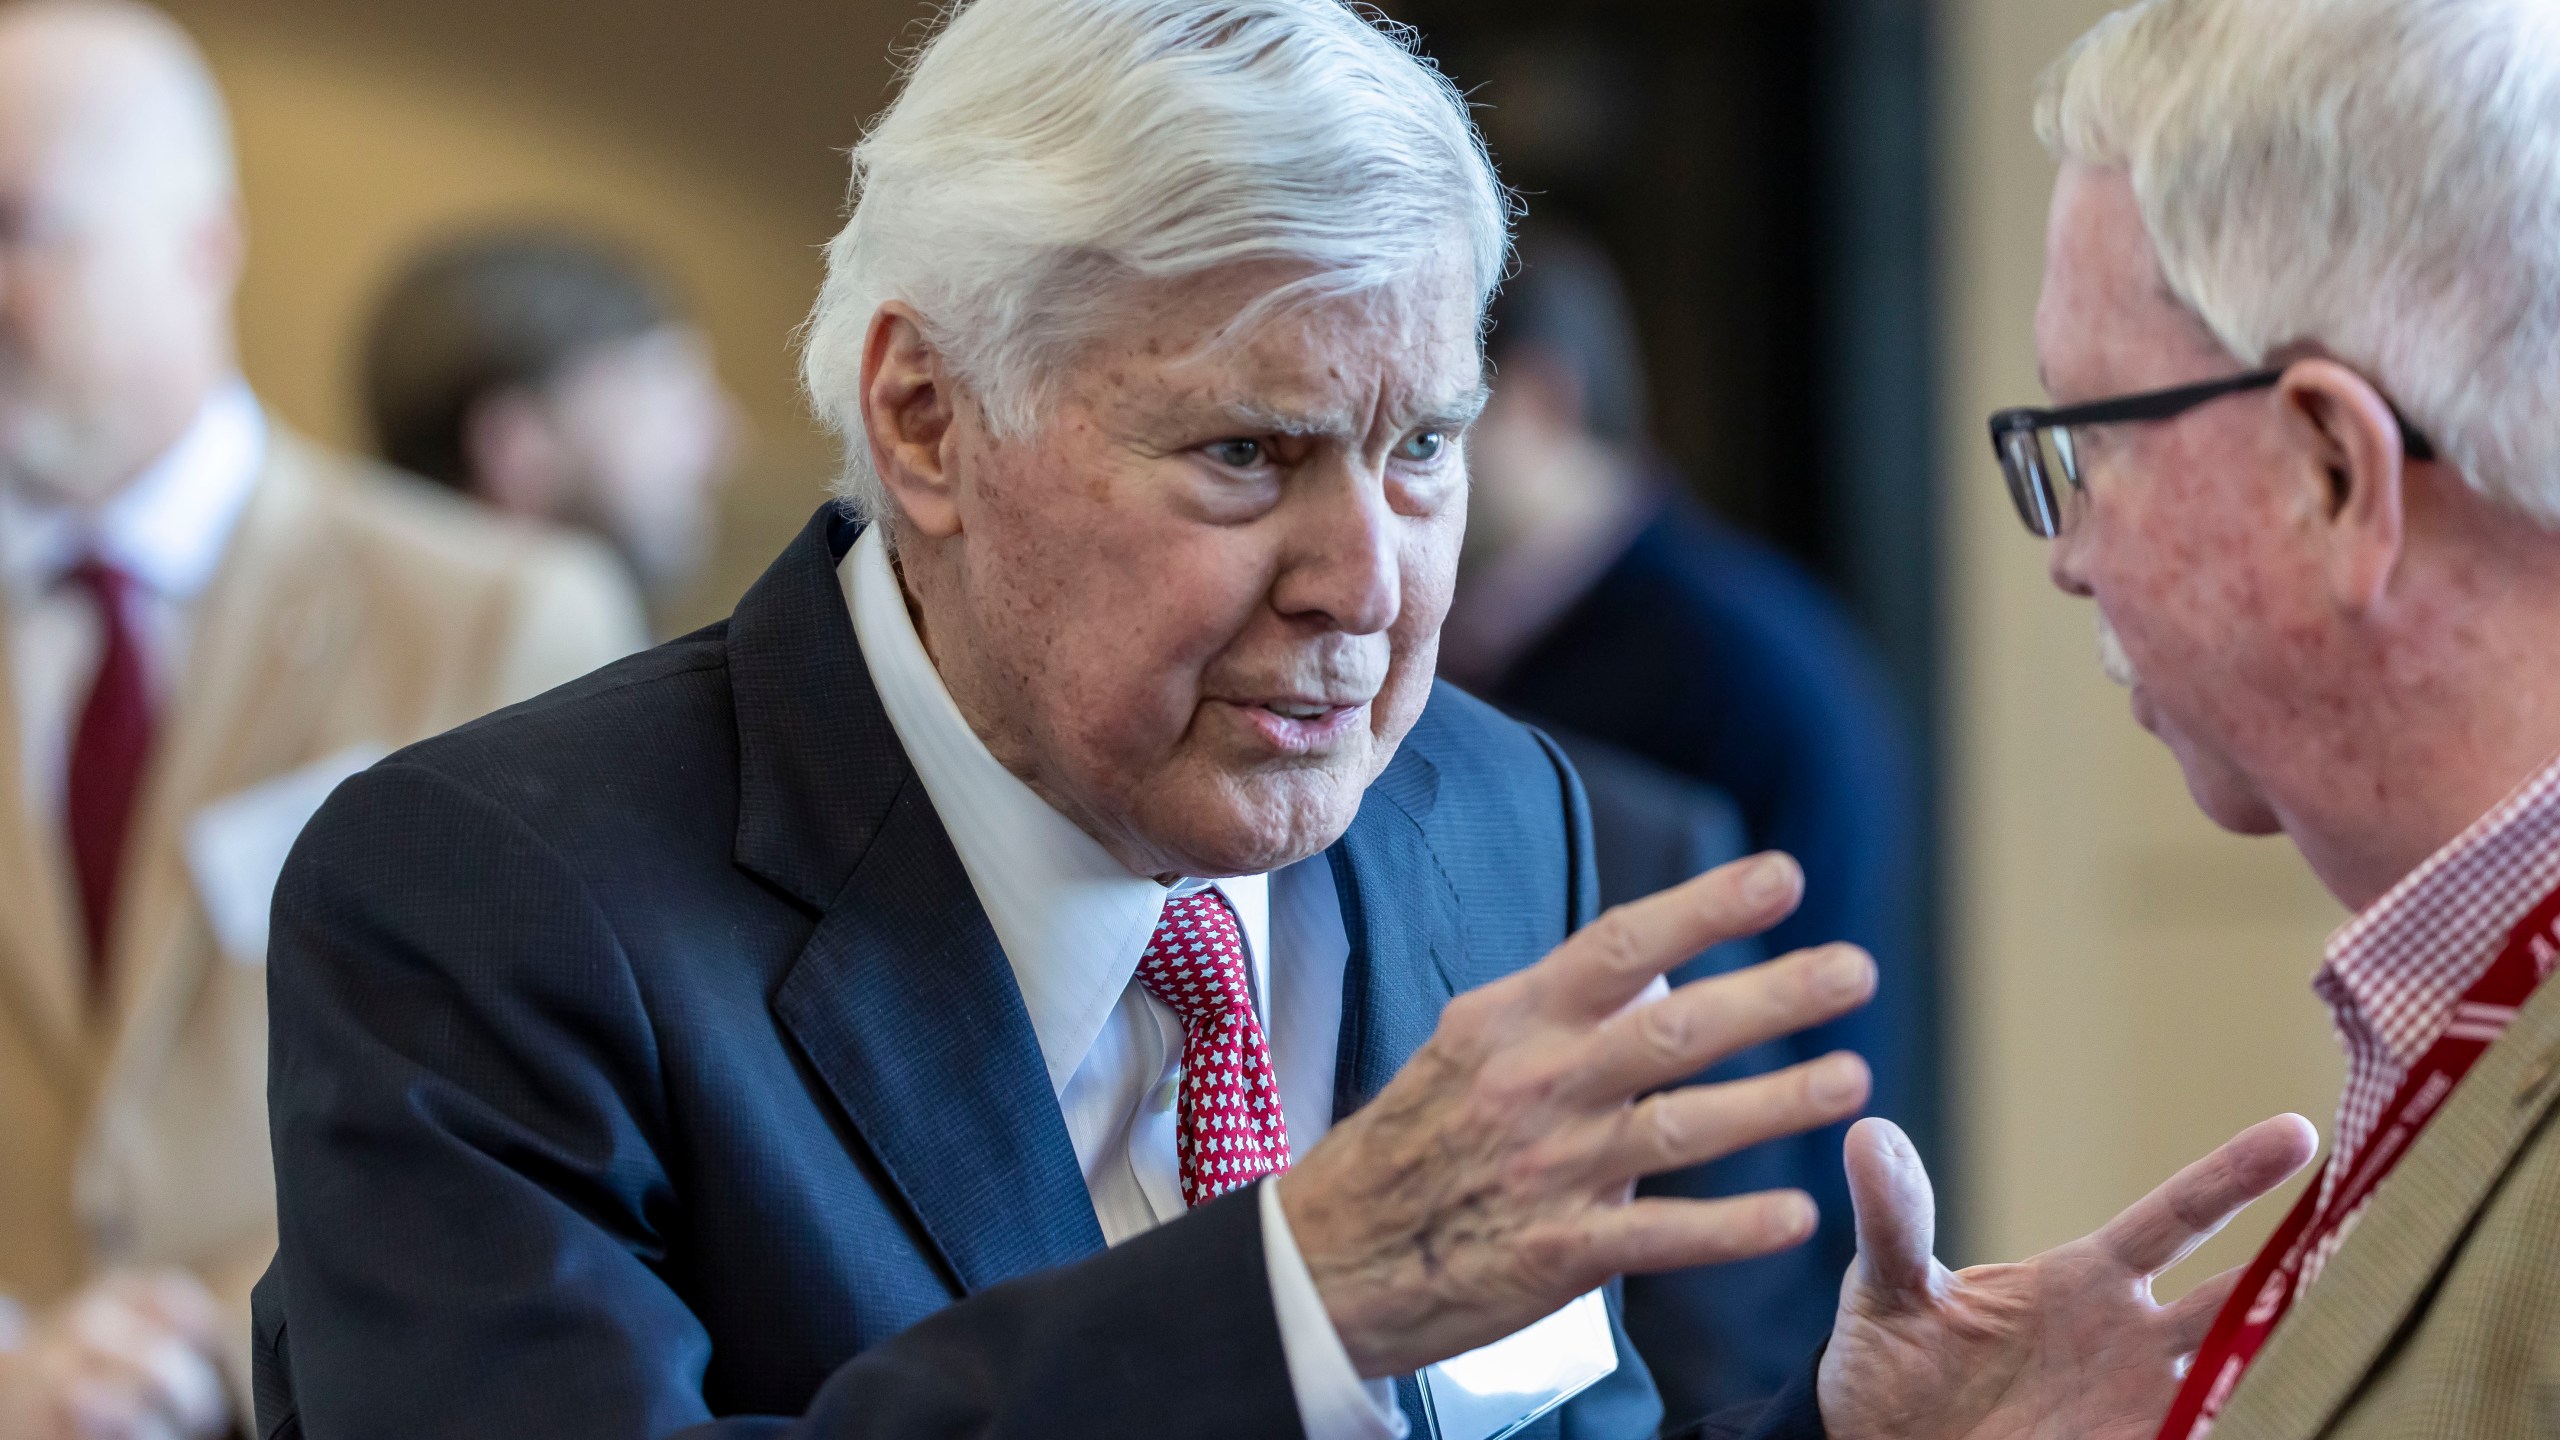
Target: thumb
pixel 1897 1214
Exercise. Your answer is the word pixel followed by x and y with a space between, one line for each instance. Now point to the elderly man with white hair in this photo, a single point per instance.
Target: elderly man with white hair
pixel 203 621
pixel 1052 963
pixel 2302 314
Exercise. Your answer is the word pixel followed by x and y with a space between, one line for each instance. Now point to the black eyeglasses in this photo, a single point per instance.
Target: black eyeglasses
pixel 2035 446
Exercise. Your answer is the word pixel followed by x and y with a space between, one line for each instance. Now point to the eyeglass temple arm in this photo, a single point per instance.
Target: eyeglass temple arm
pixel 2167 404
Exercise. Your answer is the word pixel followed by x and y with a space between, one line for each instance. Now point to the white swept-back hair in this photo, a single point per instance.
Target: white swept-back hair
pixel 1045 157
pixel 2381 177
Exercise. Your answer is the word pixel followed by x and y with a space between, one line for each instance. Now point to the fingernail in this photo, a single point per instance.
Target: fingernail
pixel 1769 880
pixel 1845 972
pixel 1795 1220
pixel 1837 1080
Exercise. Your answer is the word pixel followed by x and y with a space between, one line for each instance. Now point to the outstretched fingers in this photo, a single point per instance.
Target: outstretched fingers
pixel 1610 961
pixel 2165 1226
pixel 1676 1129
pixel 1651 1234
pixel 1699 1024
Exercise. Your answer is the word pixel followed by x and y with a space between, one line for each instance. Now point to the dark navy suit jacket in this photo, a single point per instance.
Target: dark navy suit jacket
pixel 644 1063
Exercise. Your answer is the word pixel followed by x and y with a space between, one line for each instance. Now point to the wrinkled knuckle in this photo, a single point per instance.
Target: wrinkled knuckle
pixel 1552 1256
pixel 1615 942
pixel 1668 1031
pixel 1518 1086
pixel 1530 1171
pixel 1667 1133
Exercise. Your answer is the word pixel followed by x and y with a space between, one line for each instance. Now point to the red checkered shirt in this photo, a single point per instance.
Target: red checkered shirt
pixel 2395 973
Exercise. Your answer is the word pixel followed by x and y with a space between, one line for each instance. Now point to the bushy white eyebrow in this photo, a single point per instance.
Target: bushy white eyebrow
pixel 1251 418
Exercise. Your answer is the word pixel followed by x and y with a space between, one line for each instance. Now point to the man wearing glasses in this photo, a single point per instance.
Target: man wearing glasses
pixel 2302 313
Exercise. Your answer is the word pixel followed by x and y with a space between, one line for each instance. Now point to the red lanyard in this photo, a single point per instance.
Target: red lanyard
pixel 2293 1257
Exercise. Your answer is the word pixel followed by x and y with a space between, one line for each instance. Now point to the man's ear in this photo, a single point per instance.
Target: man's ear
pixel 2360 466
pixel 909 397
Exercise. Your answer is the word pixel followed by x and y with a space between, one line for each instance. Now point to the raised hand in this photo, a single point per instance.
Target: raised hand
pixel 1492 1181
pixel 2067 1346
pixel 129 1358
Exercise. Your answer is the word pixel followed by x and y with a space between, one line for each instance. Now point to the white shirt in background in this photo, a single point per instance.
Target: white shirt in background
pixel 167 530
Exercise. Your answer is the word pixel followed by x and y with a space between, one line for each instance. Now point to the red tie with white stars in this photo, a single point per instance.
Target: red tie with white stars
pixel 1229 1130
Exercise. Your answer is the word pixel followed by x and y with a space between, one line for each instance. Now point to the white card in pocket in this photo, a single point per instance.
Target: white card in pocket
pixel 1497 1391
pixel 236 847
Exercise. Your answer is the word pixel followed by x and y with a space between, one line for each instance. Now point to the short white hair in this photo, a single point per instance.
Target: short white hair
pixel 1047 156
pixel 2378 177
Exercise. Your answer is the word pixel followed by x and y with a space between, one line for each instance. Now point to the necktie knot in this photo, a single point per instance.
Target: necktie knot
pixel 1195 963
pixel 1228 1130
pixel 102 580
pixel 108 587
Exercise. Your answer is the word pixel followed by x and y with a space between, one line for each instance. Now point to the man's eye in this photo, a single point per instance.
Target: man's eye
pixel 1239 454
pixel 1425 447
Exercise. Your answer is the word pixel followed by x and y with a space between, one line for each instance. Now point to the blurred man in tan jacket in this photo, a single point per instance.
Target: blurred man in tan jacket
pixel 2302 317
pixel 206 622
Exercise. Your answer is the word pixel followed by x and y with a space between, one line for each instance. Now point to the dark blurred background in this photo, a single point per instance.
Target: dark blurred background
pixel 1758 171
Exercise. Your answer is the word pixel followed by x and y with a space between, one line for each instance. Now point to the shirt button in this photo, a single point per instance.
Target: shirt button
pixel 1162 1098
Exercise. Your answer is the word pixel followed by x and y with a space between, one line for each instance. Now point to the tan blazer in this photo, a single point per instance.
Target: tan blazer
pixel 2439 1319
pixel 353 607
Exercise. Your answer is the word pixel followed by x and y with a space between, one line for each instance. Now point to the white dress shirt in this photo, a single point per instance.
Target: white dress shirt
pixel 167 531
pixel 1073 922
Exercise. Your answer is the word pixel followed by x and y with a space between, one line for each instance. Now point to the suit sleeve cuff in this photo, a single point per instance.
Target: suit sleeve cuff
pixel 1334 1403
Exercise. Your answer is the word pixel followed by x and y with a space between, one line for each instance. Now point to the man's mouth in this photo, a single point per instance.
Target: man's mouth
pixel 1298 725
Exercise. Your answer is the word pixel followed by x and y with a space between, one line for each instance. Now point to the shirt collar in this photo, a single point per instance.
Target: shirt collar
pixel 169 528
pixel 2399 968
pixel 1072 920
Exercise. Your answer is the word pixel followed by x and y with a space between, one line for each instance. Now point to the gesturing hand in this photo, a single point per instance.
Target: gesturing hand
pixel 2066 1346
pixel 1491 1181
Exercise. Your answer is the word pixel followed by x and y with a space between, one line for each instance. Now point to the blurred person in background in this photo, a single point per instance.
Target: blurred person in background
pixel 550 377
pixel 206 621
pixel 2301 314
pixel 1596 598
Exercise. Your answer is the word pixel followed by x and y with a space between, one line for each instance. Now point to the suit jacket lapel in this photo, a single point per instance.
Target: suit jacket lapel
pixel 902 1000
pixel 267 647
pixel 907 1009
pixel 1402 918
pixel 40 943
pixel 2321 1354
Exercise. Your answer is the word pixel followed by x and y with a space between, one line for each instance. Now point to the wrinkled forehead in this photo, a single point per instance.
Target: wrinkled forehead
pixel 1285 355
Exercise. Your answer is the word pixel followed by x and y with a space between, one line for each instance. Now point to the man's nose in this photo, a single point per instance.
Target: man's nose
pixel 2064 556
pixel 1345 566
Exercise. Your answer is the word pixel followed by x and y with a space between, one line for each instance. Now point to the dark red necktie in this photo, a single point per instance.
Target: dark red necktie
pixel 108 752
pixel 1228 1129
